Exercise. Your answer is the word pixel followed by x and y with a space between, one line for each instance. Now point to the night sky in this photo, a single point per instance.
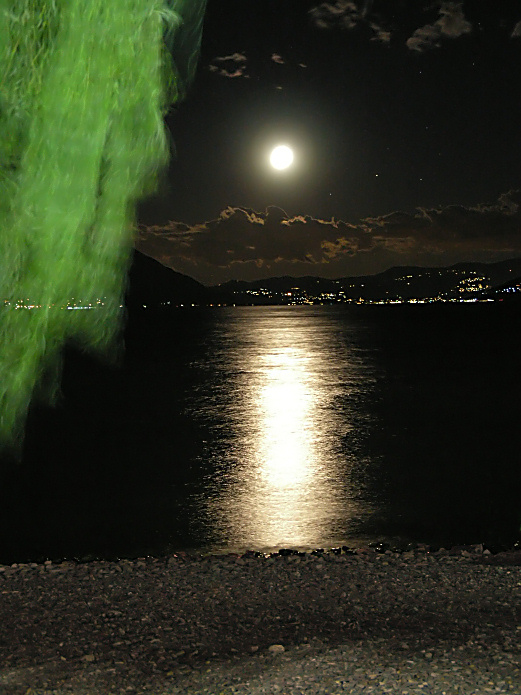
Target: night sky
pixel 404 119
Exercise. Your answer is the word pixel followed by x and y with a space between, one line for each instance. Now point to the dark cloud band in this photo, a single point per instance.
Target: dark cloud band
pixel 242 238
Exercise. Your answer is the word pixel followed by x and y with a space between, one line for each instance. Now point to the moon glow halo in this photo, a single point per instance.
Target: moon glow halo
pixel 281 157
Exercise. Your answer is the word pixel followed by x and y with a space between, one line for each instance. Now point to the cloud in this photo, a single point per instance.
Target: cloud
pixel 242 242
pixel 450 24
pixel 495 227
pixel 380 34
pixel 277 59
pixel 242 237
pixel 368 4
pixel 424 38
pixel 236 65
pixel 348 14
pixel 340 13
pixel 516 33
pixel 233 65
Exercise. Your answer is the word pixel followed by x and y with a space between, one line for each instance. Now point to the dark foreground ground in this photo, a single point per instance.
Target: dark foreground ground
pixel 414 622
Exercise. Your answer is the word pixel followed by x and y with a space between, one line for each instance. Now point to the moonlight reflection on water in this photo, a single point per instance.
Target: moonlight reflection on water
pixel 283 475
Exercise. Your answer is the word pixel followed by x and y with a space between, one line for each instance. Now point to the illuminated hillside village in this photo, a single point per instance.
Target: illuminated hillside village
pixel 153 285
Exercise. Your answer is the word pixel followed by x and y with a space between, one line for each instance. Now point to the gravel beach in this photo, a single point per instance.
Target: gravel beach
pixel 333 622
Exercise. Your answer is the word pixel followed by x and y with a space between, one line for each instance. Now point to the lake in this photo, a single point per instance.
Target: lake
pixel 257 428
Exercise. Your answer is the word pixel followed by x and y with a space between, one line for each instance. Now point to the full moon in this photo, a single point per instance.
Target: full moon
pixel 281 157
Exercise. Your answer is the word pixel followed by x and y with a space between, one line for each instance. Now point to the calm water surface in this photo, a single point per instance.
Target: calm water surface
pixel 284 400
pixel 265 427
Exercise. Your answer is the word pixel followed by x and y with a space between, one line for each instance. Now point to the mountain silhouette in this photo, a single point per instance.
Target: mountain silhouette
pixel 152 285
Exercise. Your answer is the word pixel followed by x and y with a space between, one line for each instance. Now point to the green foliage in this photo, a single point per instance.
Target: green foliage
pixel 84 85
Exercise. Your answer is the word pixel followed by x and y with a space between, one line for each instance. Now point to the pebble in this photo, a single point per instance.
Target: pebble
pixel 344 623
pixel 276 648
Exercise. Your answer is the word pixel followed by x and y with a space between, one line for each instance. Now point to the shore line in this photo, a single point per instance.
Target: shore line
pixel 478 552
